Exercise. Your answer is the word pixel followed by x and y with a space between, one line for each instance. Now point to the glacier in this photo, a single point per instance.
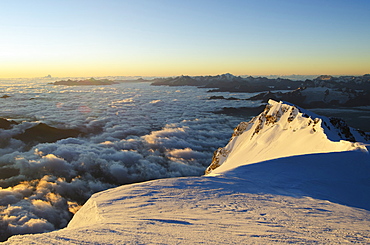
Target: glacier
pixel 286 176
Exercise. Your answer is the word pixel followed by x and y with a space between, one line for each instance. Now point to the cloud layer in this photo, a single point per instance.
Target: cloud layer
pixel 133 132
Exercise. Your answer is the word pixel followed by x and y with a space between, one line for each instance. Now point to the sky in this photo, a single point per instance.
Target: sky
pixel 169 38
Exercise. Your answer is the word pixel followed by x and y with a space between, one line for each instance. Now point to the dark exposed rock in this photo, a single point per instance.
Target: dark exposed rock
pixel 220 152
pixel 217 98
pixel 343 128
pixel 222 98
pixel 42 133
pixel 7 124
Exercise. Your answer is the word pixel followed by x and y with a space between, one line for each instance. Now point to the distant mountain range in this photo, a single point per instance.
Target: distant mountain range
pixel 323 91
pixel 230 83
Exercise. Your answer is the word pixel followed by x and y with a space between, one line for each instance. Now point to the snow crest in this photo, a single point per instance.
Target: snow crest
pixel 283 130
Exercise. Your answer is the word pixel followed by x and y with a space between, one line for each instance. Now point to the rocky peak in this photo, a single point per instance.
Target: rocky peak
pixel 284 129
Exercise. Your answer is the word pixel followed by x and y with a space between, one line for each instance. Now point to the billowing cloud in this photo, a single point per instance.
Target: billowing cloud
pixel 132 133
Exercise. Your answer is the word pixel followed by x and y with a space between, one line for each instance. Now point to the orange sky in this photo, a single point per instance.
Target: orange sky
pixel 168 38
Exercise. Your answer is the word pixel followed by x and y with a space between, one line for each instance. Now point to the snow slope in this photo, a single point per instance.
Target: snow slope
pixel 283 130
pixel 285 177
pixel 208 210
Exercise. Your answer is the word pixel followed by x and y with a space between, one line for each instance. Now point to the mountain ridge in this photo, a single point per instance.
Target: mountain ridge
pixel 322 91
pixel 281 122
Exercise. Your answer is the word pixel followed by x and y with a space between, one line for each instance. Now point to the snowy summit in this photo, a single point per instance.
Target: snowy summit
pixel 287 176
pixel 284 130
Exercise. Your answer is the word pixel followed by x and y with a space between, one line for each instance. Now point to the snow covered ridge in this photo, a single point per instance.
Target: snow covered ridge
pixel 283 130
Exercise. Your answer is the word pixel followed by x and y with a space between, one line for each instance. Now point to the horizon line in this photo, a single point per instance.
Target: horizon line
pixel 168 76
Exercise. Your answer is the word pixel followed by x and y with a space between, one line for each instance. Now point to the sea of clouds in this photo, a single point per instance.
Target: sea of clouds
pixel 132 132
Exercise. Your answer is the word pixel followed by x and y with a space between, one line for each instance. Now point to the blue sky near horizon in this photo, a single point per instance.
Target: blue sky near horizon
pixel 166 38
